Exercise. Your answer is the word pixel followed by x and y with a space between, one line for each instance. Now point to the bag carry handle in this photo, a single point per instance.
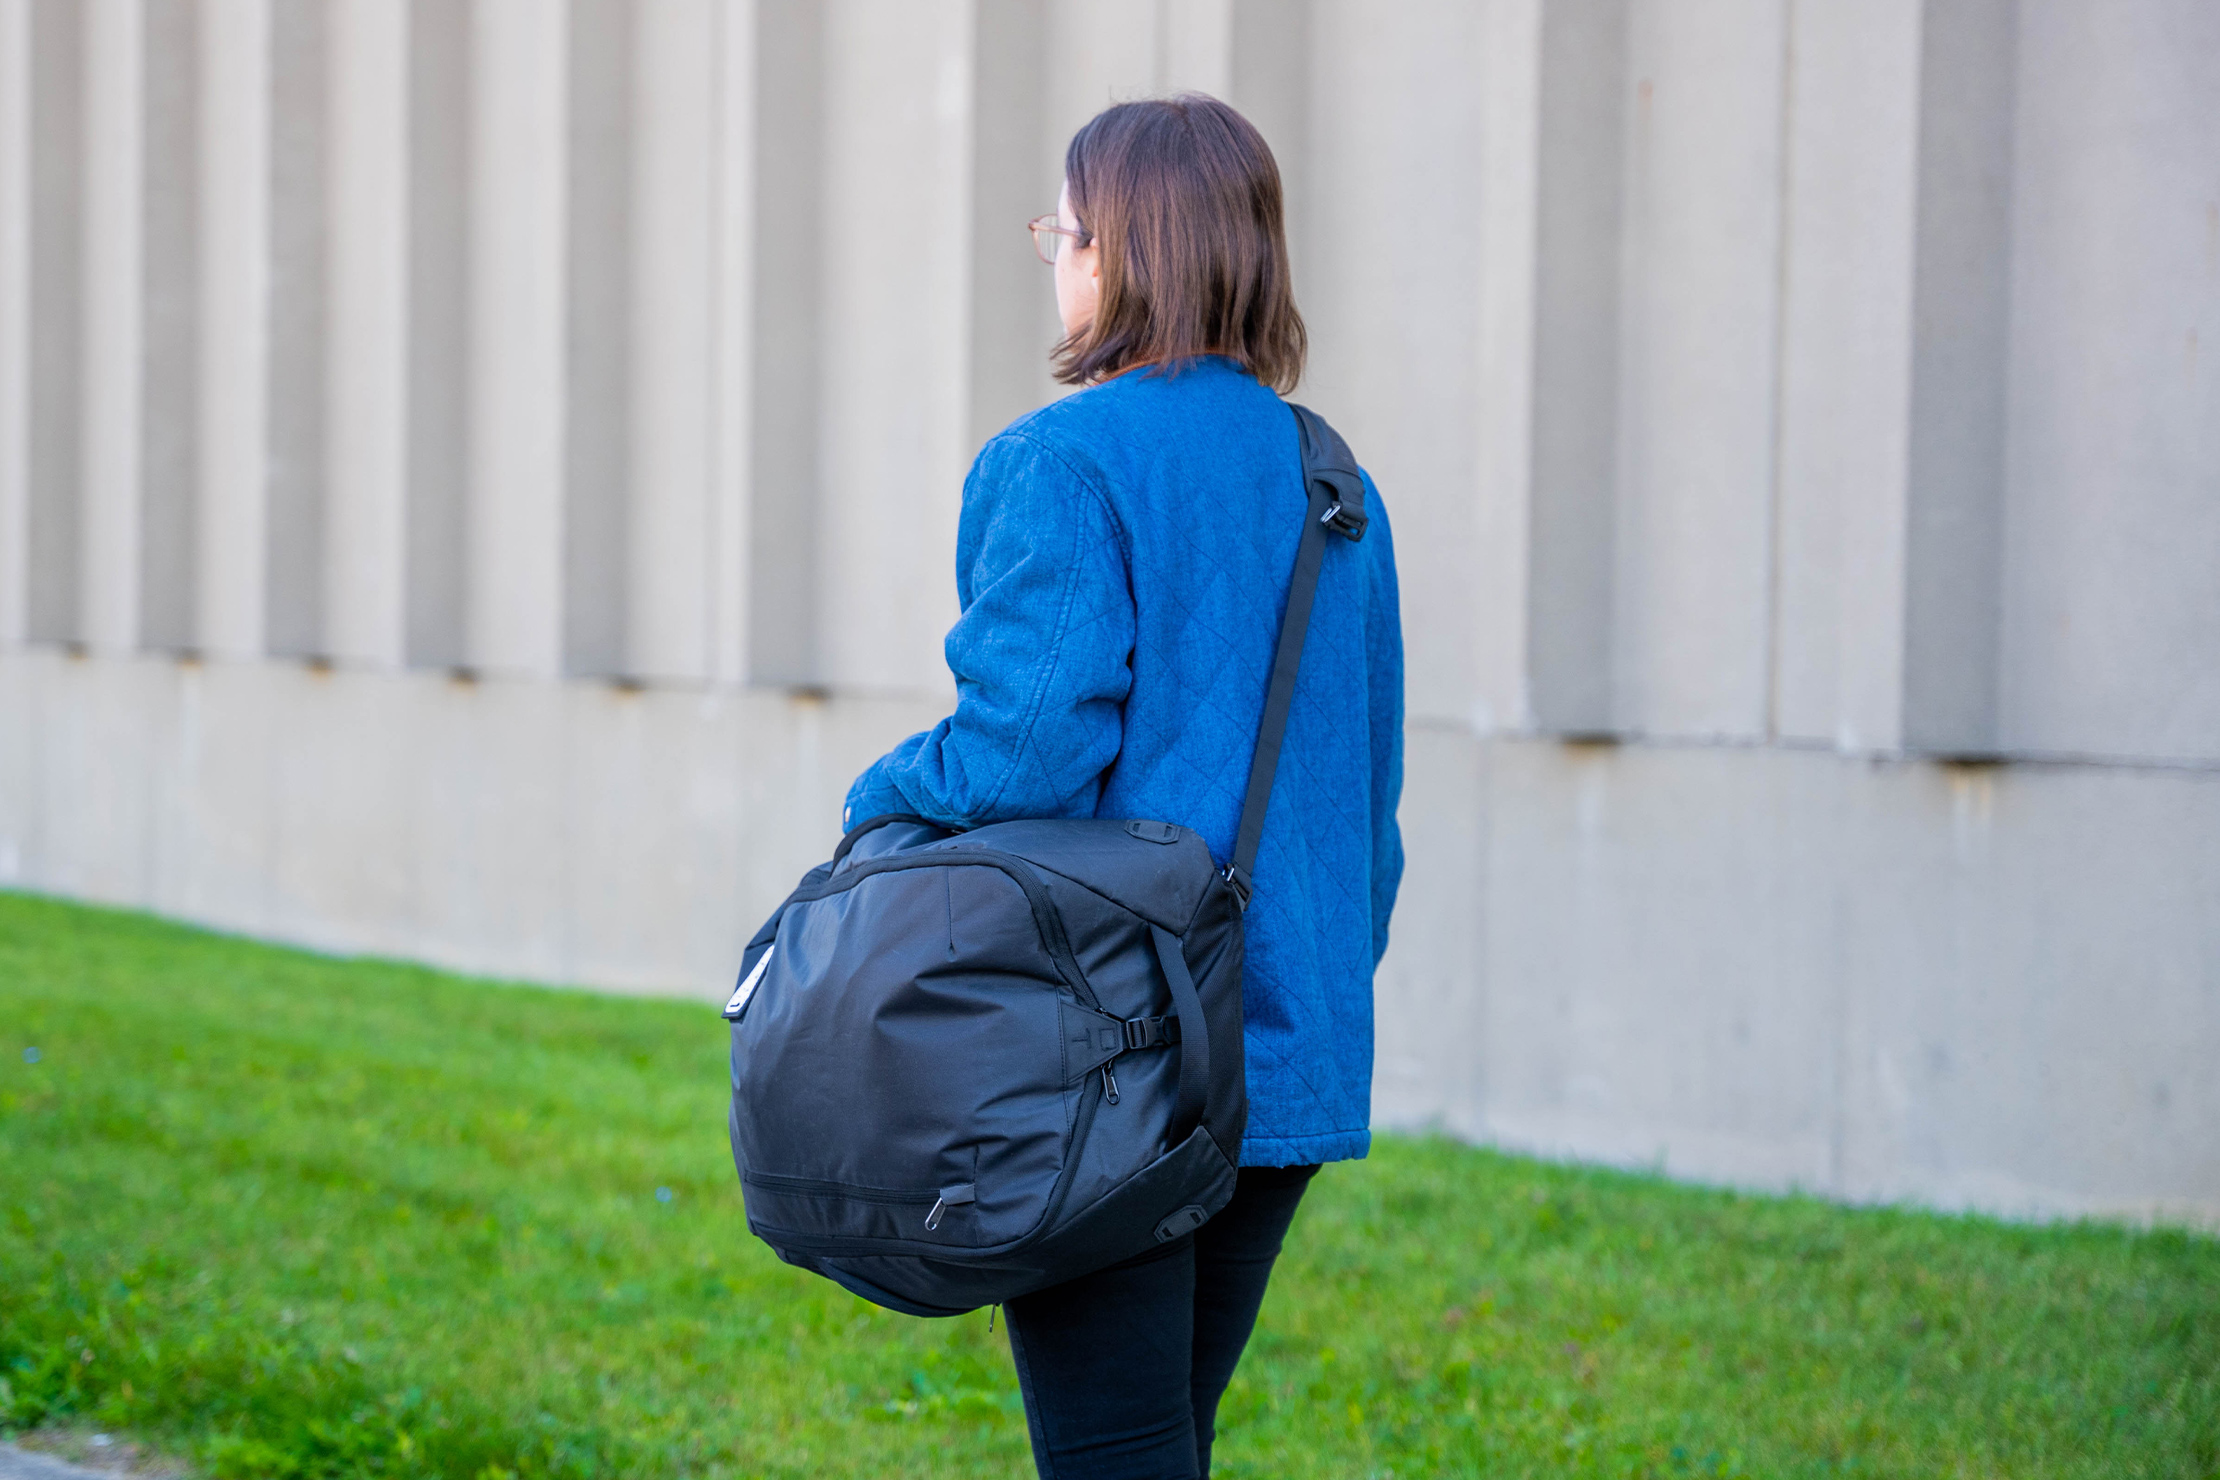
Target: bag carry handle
pixel 1336 491
pixel 855 834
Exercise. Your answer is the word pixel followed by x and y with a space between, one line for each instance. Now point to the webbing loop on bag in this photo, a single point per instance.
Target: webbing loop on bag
pixel 1194 1048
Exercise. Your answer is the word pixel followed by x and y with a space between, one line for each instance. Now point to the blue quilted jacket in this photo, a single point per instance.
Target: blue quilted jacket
pixel 1122 562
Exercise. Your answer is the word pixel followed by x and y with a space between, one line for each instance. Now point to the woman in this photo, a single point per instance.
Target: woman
pixel 1122 562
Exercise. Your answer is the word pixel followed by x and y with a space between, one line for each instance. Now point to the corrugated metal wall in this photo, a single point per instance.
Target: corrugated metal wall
pixel 476 476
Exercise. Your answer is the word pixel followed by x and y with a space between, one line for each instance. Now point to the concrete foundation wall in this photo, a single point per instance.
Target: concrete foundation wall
pixel 1977 986
pixel 477 477
pixel 568 832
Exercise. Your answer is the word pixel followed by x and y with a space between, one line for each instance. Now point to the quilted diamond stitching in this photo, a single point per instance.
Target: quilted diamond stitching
pixel 1179 503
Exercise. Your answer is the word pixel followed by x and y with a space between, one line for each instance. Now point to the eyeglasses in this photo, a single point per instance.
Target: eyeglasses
pixel 1045 233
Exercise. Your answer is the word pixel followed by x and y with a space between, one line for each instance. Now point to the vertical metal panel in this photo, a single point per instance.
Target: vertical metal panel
pixel 673 220
pixel 1698 366
pixel 57 266
pixel 1394 366
pixel 1099 52
pixel 1845 373
pixel 519 166
pixel 1961 315
pixel 783 509
pixel 299 215
pixel 2110 566
pixel 597 450
pixel 1013 322
pixel 1576 365
pixel 731 307
pixel 891 422
pixel 15 311
pixel 439 292
pixel 234 341
pixel 1268 77
pixel 109 529
pixel 366 349
pixel 170 405
pixel 1194 41
pixel 1507 244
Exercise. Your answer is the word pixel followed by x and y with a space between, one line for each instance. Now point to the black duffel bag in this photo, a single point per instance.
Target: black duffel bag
pixel 967 1066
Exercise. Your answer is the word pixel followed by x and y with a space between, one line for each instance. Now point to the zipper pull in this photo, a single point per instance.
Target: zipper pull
pixel 1109 1085
pixel 962 1192
pixel 990 1318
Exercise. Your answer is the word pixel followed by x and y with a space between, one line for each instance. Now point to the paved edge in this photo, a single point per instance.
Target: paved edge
pixel 22 1464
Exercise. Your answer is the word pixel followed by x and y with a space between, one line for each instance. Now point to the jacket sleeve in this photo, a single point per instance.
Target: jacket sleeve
pixel 1041 654
pixel 1383 640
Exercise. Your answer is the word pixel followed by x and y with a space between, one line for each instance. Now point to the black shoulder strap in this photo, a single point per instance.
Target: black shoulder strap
pixel 1336 492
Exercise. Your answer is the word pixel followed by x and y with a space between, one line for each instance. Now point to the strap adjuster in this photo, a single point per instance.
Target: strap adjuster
pixel 1346 522
pixel 1238 882
pixel 1151 1032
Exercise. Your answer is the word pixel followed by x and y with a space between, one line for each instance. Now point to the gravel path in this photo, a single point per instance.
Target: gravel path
pixel 22 1464
pixel 74 1453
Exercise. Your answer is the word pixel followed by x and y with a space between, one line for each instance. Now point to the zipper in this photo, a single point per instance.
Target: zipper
pixel 950 1196
pixel 806 1187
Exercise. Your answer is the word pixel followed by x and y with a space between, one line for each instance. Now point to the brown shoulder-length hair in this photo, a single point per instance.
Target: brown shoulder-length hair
pixel 1183 198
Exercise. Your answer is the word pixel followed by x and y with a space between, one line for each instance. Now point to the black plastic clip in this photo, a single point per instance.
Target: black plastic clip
pixel 1342 521
pixel 1186 1220
pixel 1238 882
pixel 1151 1032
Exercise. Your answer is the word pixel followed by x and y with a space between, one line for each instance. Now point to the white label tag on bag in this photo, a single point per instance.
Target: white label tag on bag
pixel 746 989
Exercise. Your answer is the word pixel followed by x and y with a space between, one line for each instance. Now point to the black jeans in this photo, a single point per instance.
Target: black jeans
pixel 1122 1369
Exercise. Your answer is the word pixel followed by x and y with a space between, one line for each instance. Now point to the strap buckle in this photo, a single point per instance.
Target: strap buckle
pixel 1238 882
pixel 1343 521
pixel 1151 1032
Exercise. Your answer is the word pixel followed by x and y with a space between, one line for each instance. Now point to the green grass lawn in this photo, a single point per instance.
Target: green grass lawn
pixel 293 1216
